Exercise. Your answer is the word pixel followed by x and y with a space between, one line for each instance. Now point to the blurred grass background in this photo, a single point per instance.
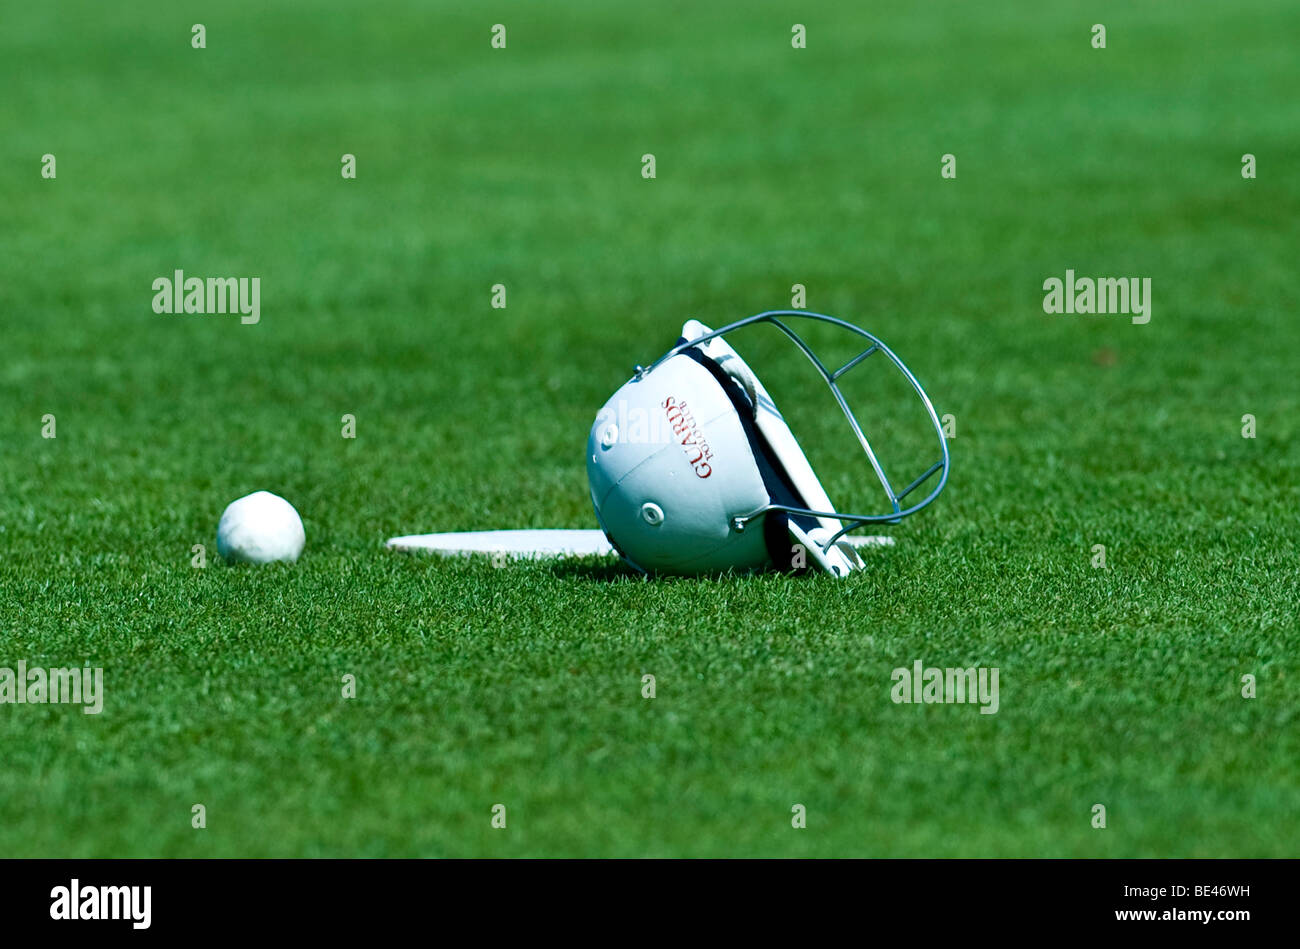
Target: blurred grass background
pixel 522 166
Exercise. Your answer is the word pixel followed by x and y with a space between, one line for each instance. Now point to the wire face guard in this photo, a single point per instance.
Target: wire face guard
pixel 831 378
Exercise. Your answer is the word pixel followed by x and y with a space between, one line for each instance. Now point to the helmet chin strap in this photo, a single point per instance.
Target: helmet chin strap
pixel 835 556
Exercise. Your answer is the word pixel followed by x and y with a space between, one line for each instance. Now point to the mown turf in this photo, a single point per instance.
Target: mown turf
pixel 522 685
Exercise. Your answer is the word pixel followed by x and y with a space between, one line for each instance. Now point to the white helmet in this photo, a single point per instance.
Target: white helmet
pixel 726 486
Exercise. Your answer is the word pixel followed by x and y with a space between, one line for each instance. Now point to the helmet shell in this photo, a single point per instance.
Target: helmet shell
pixel 670 466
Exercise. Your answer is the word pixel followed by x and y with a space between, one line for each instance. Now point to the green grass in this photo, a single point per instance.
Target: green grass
pixel 521 685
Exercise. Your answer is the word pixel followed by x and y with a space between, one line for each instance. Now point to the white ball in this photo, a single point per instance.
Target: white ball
pixel 260 528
